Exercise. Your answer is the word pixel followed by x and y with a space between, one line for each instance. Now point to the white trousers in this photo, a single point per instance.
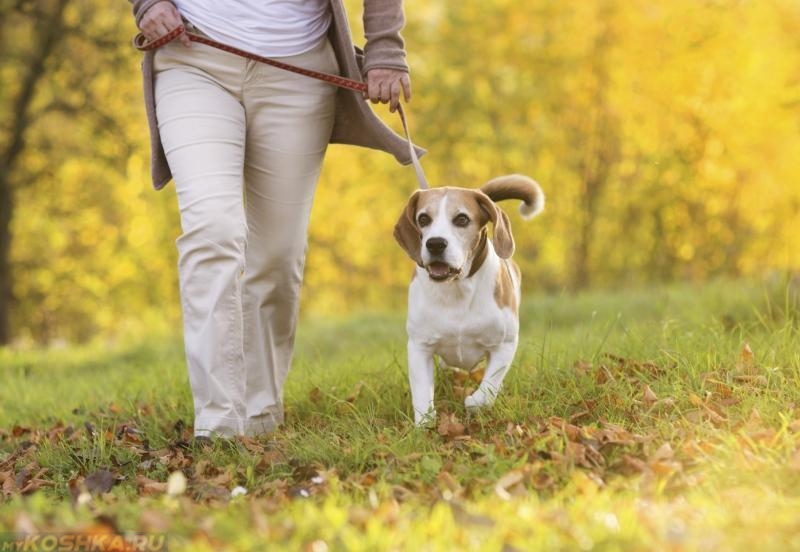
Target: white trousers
pixel 245 144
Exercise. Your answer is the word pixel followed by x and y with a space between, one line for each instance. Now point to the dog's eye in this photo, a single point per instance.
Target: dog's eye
pixel 461 220
pixel 423 220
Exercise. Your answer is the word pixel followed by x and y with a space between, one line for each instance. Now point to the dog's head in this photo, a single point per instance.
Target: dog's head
pixel 443 230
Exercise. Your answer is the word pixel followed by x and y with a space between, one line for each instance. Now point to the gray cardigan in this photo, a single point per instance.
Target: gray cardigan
pixel 355 122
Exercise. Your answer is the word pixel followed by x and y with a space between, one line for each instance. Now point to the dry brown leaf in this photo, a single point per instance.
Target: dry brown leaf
pixel 459 376
pixel 746 363
pixel 507 482
pixel 449 427
pixel 663 405
pixel 355 393
pixel 99 482
pixel 756 380
pixel 34 484
pixel 714 417
pixel 695 400
pixel 315 395
pixel 368 479
pixel 633 464
pixel 665 468
pixel 270 458
pixel 572 431
pixel 582 367
pixel 476 375
pixel 463 517
pixel 224 479
pixel 449 482
pixel 604 375
pixel 664 452
pixel 648 396
pixel 576 454
pixel 149 486
pixel 578 415
pixel 720 388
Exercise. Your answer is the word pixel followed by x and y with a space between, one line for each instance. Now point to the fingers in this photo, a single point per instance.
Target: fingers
pixel 386 86
pixel 184 38
pixel 405 82
pixel 160 19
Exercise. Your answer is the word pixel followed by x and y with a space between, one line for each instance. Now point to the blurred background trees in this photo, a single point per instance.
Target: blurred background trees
pixel 666 135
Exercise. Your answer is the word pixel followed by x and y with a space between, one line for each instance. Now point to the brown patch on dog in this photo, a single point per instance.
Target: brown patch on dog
pixel 504 294
pixel 478 253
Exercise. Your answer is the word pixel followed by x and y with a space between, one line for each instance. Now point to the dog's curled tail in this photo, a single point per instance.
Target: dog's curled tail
pixel 517 186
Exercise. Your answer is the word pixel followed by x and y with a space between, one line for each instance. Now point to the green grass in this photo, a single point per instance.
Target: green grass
pixel 630 421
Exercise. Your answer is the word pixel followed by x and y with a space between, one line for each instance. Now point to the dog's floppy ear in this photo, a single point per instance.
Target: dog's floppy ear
pixel 502 239
pixel 406 231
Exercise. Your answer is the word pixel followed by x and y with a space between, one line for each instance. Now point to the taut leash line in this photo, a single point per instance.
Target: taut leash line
pixel 141 43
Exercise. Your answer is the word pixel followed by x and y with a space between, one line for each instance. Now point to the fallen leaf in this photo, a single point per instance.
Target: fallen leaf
pixel 99 482
pixel 356 392
pixel 604 375
pixel 446 480
pixel 648 396
pixel 463 517
pixel 507 482
pixel 583 367
pixel 665 468
pixel 633 464
pixel 756 380
pixel 149 486
pixel 746 362
pixel 18 431
pixel 449 427
pixel 664 452
pixel 719 387
pixel 476 375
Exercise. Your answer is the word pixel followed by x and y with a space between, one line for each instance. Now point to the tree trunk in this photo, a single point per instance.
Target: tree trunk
pixel 48 31
pixel 600 153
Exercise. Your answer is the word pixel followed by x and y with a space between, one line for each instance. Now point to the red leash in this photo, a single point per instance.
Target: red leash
pixel 141 43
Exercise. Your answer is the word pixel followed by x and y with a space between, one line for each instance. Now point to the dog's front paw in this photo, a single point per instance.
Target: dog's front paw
pixel 479 399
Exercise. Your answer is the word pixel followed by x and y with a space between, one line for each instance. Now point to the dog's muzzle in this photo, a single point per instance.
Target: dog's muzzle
pixel 439 270
pixel 442 272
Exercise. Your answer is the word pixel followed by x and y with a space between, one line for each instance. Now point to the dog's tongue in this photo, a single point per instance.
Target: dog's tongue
pixel 438 270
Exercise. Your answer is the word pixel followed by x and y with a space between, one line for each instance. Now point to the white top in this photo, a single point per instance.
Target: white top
pixel 270 28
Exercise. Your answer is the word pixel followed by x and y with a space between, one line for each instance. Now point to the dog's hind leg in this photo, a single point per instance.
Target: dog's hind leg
pixel 420 377
pixel 496 369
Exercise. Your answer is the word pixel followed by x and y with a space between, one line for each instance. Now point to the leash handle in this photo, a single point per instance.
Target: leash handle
pixel 142 44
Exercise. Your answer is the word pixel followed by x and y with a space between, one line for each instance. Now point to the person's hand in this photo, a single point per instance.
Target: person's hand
pixel 385 85
pixel 160 19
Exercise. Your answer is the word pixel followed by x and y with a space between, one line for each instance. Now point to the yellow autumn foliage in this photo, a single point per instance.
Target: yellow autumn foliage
pixel 666 135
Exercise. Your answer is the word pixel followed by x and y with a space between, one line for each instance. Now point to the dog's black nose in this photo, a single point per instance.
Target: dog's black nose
pixel 436 245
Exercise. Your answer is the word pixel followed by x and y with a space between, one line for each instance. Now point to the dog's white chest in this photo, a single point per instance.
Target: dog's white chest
pixel 460 326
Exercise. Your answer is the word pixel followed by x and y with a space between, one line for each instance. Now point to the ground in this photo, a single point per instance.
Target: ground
pixel 660 418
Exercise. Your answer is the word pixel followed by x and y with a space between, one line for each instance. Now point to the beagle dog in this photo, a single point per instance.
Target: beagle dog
pixel 463 300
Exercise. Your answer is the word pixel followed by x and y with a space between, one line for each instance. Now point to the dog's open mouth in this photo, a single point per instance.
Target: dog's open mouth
pixel 442 271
